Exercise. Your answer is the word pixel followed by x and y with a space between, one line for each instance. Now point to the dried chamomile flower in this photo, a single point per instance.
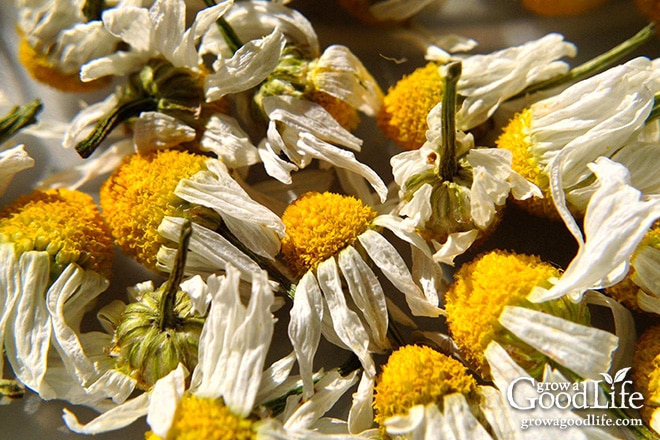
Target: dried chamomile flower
pixel 146 200
pixel 556 8
pixel 403 115
pixel 646 374
pixel 331 240
pixel 451 192
pixel 639 290
pixel 488 302
pixel 554 139
pixel 56 254
pixel 58 37
pixel 159 331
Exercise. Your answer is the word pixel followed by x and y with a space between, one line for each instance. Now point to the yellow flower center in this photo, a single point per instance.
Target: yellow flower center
pixel 402 116
pixel 140 193
pixel 480 291
pixel 646 369
pixel 418 375
pixel 66 224
pixel 42 69
pixel 319 225
pixel 199 418
pixel 626 291
pixel 515 137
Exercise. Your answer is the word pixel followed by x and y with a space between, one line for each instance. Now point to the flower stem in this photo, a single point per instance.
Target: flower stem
pixel 594 65
pixel 448 163
pixel 118 115
pixel 18 118
pixel 228 33
pixel 171 287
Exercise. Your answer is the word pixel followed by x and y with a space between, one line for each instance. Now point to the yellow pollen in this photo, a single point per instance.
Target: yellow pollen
pixel 418 375
pixel 209 419
pixel 319 225
pixel 626 291
pixel 646 370
pixel 67 224
pixel 42 69
pixel 341 111
pixel 402 117
pixel 480 291
pixel 140 193
pixel 515 137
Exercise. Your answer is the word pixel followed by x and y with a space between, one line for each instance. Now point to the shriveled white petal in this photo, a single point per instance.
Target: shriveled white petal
pixel 327 391
pixel 27 340
pixel 132 24
pixel 234 342
pixel 274 165
pixel 404 230
pixel 367 294
pixel 585 350
pixel 113 419
pixel 340 158
pixel 397 10
pixel 12 161
pixel 225 137
pixel 647 265
pixel 412 422
pixel 457 243
pixel 254 225
pixel 392 265
pixel 497 411
pixel 461 420
pixel 429 274
pixel 209 251
pixel 199 294
pixel 104 163
pixel 616 220
pixel 247 68
pixel 275 378
pixel 165 397
pixel 345 321
pixel 114 384
pixel 157 131
pixel 82 43
pixel 490 187
pixel 361 413
pixel 339 73
pixel 305 327
pixel 488 80
pixel 10 288
pixel 418 209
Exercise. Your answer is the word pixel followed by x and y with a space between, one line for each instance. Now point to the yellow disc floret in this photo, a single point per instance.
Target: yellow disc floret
pixel 41 68
pixel 480 291
pixel 646 370
pixel 402 116
pixel 319 225
pixel 209 419
pixel 516 138
pixel 418 375
pixel 140 193
pixel 66 224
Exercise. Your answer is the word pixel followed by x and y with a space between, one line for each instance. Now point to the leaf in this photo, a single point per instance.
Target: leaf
pixel 620 375
pixel 608 378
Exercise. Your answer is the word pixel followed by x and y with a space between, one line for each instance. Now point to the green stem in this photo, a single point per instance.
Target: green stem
pixel 448 164
pixel 18 118
pixel 594 65
pixel 118 115
pixel 171 287
pixel 228 33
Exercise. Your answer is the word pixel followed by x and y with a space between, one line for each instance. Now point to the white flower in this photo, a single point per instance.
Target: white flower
pixel 157 31
pixel 616 219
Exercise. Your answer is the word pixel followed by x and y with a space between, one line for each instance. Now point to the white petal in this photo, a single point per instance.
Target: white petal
pixel 82 123
pixel 12 161
pixel 461 420
pixel 367 294
pixel 585 350
pixel 199 294
pixel 249 66
pixel 616 220
pixel 10 288
pixel 224 137
pixel 156 131
pixel 392 265
pixel 116 418
pixel 647 265
pixel 397 10
pixel 345 321
pixel 305 327
pixel 361 413
pixel 132 25
pixel 457 243
pixel 165 397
